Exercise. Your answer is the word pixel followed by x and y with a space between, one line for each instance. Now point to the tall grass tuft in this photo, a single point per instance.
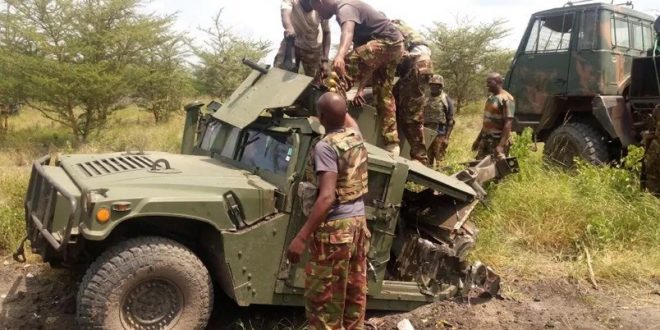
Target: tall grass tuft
pixel 550 214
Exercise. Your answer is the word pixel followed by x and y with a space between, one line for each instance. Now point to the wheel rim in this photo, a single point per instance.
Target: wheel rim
pixel 152 305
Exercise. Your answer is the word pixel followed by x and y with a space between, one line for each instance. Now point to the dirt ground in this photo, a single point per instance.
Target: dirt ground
pixel 34 296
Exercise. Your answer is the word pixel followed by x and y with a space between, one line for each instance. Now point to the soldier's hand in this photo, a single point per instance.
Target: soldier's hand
pixel 289 33
pixel 499 150
pixel 295 250
pixel 359 100
pixel 339 66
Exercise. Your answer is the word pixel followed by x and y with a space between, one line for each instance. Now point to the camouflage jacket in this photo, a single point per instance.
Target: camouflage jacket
pixel 411 38
pixel 437 110
pixel 352 164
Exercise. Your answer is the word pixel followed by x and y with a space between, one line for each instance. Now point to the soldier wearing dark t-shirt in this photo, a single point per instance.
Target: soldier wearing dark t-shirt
pixel 377 50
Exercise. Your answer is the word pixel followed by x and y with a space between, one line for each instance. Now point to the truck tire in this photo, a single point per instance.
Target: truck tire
pixel 576 140
pixel 145 283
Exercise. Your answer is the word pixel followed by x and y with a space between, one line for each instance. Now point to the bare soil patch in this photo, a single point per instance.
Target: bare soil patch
pixel 34 296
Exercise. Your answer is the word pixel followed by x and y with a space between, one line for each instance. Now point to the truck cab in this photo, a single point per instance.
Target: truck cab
pixel 571 78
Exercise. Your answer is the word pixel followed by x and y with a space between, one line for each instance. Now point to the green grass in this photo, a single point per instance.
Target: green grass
pixel 537 222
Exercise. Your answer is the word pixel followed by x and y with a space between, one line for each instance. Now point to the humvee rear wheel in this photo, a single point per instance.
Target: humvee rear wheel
pixel 576 140
pixel 145 283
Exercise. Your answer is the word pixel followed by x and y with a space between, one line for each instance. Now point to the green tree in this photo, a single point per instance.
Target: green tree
pixel 77 56
pixel 466 53
pixel 162 81
pixel 220 70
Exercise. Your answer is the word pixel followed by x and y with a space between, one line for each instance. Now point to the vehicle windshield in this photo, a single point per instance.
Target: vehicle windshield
pixel 265 151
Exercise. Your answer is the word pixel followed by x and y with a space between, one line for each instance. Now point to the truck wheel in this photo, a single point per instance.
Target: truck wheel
pixel 145 283
pixel 576 140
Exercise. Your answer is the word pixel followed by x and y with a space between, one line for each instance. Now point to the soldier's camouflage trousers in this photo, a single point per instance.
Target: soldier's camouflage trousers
pixel 410 94
pixel 336 282
pixel 438 148
pixel 651 171
pixel 487 145
pixel 310 59
pixel 378 59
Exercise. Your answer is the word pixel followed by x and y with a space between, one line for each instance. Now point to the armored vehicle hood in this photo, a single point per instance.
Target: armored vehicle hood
pixel 158 176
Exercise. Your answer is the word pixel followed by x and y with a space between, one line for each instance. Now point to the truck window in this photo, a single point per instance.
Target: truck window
pixel 620 33
pixel 266 151
pixel 638 36
pixel 550 34
pixel 588 29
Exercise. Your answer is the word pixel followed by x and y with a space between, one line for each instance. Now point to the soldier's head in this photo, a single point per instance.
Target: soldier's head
pixel 437 84
pixel 494 82
pixel 325 8
pixel 332 111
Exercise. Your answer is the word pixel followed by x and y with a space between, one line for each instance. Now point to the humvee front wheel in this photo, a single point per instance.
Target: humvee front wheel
pixel 145 283
pixel 576 140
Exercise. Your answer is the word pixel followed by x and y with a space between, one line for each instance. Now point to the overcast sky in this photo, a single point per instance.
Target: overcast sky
pixel 261 18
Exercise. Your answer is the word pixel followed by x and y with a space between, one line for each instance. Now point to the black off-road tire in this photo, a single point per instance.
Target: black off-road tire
pixel 145 283
pixel 576 140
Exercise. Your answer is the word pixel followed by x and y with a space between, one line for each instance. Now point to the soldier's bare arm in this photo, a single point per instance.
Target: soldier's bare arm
pixel 289 32
pixel 325 200
pixel 506 130
pixel 345 42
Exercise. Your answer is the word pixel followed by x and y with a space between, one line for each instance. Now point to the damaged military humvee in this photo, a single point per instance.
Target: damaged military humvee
pixel 161 232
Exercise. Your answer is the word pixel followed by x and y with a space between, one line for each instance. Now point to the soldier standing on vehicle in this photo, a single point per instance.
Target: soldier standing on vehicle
pixel 494 138
pixel 312 45
pixel 336 282
pixel 377 50
pixel 439 116
pixel 410 92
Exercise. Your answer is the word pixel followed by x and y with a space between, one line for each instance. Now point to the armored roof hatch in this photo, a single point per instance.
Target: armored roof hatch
pixel 260 91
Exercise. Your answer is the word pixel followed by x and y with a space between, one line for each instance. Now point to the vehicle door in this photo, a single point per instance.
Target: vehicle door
pixel 540 68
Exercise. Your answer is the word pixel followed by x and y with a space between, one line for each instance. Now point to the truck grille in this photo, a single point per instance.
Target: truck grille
pixel 114 165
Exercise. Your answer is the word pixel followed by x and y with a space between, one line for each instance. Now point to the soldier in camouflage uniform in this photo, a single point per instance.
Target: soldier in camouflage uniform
pixel 651 170
pixel 336 282
pixel 495 135
pixel 377 50
pixel 438 116
pixel 410 92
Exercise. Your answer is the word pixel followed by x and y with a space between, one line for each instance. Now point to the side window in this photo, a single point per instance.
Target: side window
pixel 588 30
pixel 620 33
pixel 638 36
pixel 269 152
pixel 551 34
pixel 210 133
pixel 378 183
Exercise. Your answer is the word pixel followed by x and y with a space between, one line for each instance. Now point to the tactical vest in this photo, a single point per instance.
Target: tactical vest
pixel 352 179
pixel 436 109
pixel 411 38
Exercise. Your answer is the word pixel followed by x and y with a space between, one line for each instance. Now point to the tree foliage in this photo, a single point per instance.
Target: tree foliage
pixel 77 57
pixel 465 53
pixel 162 81
pixel 220 70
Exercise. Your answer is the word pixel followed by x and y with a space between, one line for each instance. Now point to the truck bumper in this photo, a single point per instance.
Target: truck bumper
pixel 51 207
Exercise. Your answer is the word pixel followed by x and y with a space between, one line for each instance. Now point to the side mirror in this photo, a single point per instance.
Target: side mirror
pixel 656 25
pixel 190 128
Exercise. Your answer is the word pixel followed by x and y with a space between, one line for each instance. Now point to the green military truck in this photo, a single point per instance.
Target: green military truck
pixel 160 233
pixel 572 78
